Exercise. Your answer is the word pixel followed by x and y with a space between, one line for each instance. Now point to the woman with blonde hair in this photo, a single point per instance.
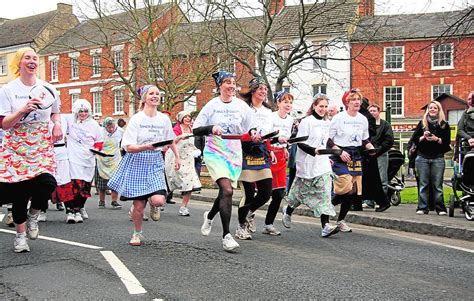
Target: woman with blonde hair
pixel 140 175
pixel 432 138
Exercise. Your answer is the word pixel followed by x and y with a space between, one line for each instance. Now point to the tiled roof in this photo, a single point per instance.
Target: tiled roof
pixel 109 30
pixel 23 30
pixel 415 26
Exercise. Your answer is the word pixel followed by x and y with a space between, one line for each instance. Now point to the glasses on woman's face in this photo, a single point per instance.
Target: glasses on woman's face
pixel 83 111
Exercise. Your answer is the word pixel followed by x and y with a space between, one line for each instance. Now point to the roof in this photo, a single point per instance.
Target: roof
pixel 445 96
pixel 111 29
pixel 415 26
pixel 23 30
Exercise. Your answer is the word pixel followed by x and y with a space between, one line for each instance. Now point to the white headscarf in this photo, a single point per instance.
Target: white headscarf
pixel 81 105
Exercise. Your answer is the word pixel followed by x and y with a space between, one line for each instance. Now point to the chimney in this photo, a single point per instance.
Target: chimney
pixel 275 6
pixel 64 8
pixel 366 8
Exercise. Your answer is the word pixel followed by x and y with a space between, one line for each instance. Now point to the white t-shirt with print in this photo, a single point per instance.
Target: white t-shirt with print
pixel 283 125
pixel 143 129
pixel 81 137
pixel 60 153
pixel 234 117
pixel 262 119
pixel 349 130
pixel 15 95
pixel 307 166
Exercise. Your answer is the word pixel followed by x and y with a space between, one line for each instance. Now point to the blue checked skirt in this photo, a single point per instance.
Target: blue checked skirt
pixel 139 174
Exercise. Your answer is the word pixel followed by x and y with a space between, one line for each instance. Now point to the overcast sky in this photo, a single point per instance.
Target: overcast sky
pixel 23 8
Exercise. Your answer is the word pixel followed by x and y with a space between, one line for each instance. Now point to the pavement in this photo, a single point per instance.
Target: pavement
pixel 402 217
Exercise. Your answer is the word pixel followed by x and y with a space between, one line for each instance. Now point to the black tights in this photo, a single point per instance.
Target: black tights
pixel 223 204
pixel 254 201
pixel 324 218
pixel 76 204
pixel 277 196
pixel 346 202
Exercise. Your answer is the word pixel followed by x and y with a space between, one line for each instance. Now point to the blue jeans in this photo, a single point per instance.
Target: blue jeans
pixel 430 173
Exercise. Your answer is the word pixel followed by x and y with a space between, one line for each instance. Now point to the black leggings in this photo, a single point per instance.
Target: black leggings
pixel 277 196
pixel 346 201
pixel 38 189
pixel 76 204
pixel 254 201
pixel 324 218
pixel 223 204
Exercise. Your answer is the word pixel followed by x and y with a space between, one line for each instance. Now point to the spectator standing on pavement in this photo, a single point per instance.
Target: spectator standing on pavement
pixel 26 155
pixel 256 176
pixel 283 122
pixel 383 142
pixel 185 178
pixel 224 114
pixel 140 175
pixel 84 133
pixel 312 186
pixel 349 131
pixel 332 111
pixel 432 138
pixel 466 124
pixel 106 166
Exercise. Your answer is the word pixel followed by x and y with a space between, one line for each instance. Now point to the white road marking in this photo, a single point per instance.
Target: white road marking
pixel 2 216
pixel 62 241
pixel 131 282
pixel 433 243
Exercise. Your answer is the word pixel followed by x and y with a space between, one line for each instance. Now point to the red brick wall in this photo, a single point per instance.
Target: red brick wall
pixel 418 77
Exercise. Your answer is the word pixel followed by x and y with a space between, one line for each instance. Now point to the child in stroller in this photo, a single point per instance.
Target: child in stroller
pixel 395 184
pixel 463 180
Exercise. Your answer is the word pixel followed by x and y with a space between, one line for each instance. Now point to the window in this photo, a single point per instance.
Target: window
pixel 96 65
pixel 155 72
pixel 394 97
pixel 74 68
pixel 321 88
pixel 320 56
pixel 118 60
pixel 54 69
pixel 190 104
pixel 3 65
pixel 118 101
pixel 437 90
pixel 74 97
pixel 283 50
pixel 97 103
pixel 227 64
pixel 394 58
pixel 454 116
pixel 286 89
pixel 442 56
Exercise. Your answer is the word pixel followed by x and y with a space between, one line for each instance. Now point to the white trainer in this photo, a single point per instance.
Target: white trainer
pixel 286 219
pixel 32 228
pixel 136 239
pixel 20 244
pixel 270 230
pixel 8 219
pixel 70 218
pixel 83 213
pixel 343 227
pixel 251 227
pixel 42 216
pixel 329 230
pixel 242 233
pixel 183 211
pixel 78 218
pixel 155 214
pixel 206 225
pixel 229 244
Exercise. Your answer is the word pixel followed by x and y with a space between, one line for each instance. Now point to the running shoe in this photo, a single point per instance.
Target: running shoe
pixel 270 230
pixel 206 225
pixel 251 227
pixel 32 228
pixel 78 218
pixel 115 205
pixel 20 244
pixel 242 233
pixel 229 244
pixel 83 213
pixel 42 216
pixel 136 239
pixel 101 204
pixel 8 220
pixel 329 230
pixel 59 206
pixel 343 227
pixel 155 213
pixel 183 211
pixel 286 219
pixel 70 218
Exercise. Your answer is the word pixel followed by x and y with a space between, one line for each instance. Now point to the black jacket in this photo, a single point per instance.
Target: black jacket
pixel 383 139
pixel 433 149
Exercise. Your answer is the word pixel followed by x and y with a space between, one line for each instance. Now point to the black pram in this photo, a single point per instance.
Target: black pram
pixel 395 184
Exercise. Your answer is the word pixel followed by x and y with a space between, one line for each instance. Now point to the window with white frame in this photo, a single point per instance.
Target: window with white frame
pixel 118 60
pixel 287 89
pixel 97 103
pixel 442 56
pixel 283 50
pixel 190 105
pixel 118 101
pixel 394 58
pixel 226 63
pixel 320 55
pixel 394 97
pixel 96 65
pixel 319 88
pixel 74 97
pixel 74 68
pixel 54 69
pixel 437 90
pixel 155 72
pixel 3 65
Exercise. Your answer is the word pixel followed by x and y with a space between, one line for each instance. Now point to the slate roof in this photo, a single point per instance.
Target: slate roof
pixel 415 26
pixel 23 30
pixel 109 30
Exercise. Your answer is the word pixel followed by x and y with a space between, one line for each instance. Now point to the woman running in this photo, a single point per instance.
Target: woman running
pixel 224 114
pixel 140 175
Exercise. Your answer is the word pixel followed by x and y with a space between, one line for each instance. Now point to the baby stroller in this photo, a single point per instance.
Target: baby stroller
pixel 464 180
pixel 395 184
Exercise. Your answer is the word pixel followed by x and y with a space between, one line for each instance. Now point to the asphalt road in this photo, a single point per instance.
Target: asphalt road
pixel 177 262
